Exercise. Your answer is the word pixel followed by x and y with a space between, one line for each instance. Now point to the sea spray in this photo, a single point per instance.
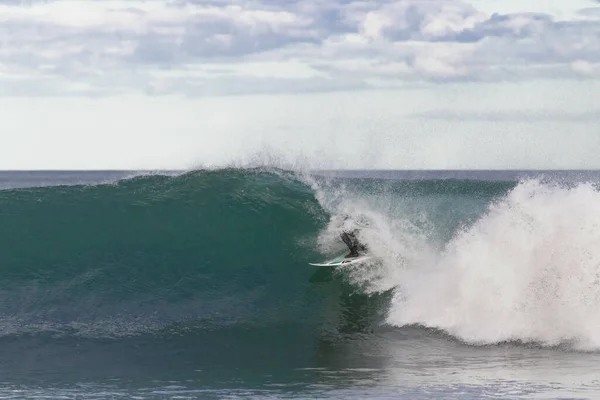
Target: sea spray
pixel 404 224
pixel 527 270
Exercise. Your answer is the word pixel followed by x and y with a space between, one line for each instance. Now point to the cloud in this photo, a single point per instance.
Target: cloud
pixel 585 68
pixel 557 116
pixel 115 46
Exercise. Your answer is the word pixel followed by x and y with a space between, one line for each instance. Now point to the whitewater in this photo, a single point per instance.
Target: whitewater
pixel 483 284
pixel 521 263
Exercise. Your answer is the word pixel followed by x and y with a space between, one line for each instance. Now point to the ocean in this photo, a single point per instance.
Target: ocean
pixel 196 284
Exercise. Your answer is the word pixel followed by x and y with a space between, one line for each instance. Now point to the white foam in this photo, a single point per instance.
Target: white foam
pixel 395 241
pixel 528 269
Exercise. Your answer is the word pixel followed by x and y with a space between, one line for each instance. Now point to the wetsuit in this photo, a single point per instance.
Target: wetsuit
pixel 353 244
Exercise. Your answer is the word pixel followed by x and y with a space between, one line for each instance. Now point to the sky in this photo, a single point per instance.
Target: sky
pixel 391 84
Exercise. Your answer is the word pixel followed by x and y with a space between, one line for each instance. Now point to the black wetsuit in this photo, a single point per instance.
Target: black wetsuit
pixel 353 244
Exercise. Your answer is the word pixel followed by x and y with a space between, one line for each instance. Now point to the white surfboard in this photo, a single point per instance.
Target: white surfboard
pixel 338 261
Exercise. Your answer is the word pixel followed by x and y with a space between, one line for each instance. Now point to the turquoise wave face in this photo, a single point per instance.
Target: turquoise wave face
pixel 213 247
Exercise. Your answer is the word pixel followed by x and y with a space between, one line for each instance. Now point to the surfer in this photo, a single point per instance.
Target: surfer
pixel 349 238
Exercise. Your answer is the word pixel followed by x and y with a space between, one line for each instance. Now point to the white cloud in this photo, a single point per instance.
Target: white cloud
pixel 548 115
pixel 94 43
pixel 443 60
pixel 586 68
pixel 558 9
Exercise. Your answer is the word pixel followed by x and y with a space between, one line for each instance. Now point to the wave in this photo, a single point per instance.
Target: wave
pixel 219 247
pixel 485 261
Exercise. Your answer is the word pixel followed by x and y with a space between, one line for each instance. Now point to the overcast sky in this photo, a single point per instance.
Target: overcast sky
pixel 402 84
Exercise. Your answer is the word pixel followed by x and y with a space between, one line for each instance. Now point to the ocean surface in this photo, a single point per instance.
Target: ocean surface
pixel 177 285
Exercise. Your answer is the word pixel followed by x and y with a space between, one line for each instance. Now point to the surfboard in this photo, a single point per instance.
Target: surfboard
pixel 338 261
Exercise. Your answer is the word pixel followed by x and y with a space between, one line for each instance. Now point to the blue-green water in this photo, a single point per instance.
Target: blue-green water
pixel 196 285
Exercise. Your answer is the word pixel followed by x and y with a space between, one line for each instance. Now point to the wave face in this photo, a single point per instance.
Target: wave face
pixel 207 249
pixel 212 251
